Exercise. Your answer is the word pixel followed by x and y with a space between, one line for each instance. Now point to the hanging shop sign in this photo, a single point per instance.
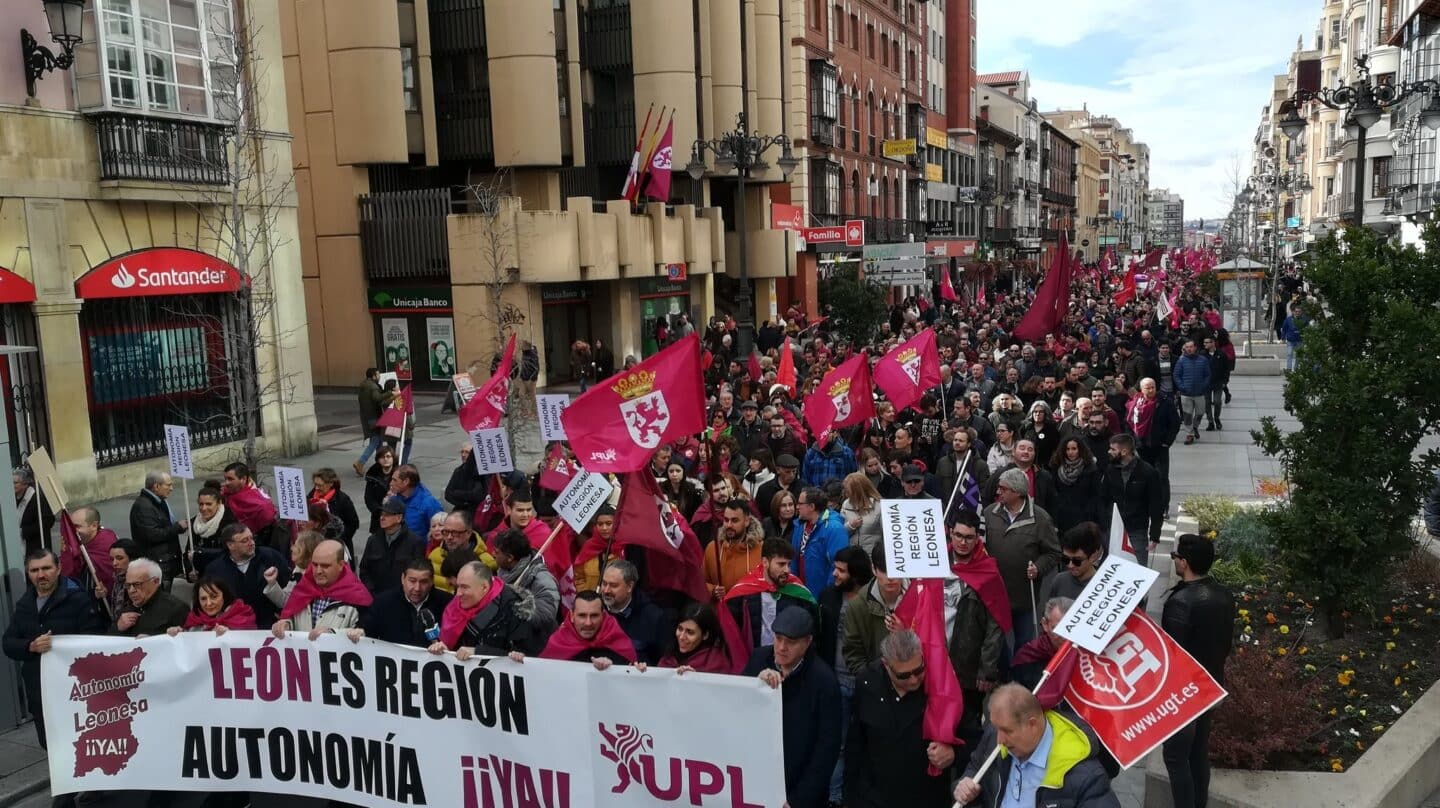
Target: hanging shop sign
pixel 899 148
pixel 410 300
pixel 163 271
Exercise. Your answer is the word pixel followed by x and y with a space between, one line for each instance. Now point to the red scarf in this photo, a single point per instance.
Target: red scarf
pixel 1141 415
pixel 346 589
pixel 736 638
pixel 325 497
pixel 705 660
pixel 252 508
pixel 238 615
pixel 456 616
pixel 982 574
pixel 594 546
pixel 567 644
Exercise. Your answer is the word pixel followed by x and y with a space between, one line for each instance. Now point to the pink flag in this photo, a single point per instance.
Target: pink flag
pixel 843 398
pixel 615 426
pixel 485 409
pixel 913 367
pixel 658 179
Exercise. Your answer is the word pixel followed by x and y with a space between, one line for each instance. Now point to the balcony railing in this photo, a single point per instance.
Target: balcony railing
pixel 403 234
pixel 463 124
pixel 892 230
pixel 138 147
pixel 822 130
pixel 606 39
pixel 1000 235
pixel 610 133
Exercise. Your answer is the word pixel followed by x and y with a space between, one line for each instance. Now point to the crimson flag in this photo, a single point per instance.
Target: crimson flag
pixel 485 409
pixel 947 288
pixel 558 470
pixel 754 367
pixel 645 518
pixel 1052 300
pixel 913 367
pixel 843 398
pixel 391 417
pixel 407 397
pixel 615 426
pixel 785 374
pixel 657 184
pixel 1128 289
pixel 923 610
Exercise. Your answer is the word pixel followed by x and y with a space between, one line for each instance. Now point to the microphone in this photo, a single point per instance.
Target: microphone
pixel 429 625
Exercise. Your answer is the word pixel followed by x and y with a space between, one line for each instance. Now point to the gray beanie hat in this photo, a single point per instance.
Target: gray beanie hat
pixel 1015 480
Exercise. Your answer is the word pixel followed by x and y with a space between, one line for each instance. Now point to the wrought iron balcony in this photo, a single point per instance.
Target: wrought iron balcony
pixel 140 147
pixel 610 134
pixel 403 234
pixel 822 130
pixel 605 37
pixel 463 124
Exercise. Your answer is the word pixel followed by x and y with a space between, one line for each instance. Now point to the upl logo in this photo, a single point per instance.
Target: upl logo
pixel 669 779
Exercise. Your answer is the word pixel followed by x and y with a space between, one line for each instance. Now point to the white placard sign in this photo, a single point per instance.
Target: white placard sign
pixel 1102 608
pixel 549 407
pixel 914 535
pixel 290 493
pixel 581 499
pixel 492 451
pixel 177 446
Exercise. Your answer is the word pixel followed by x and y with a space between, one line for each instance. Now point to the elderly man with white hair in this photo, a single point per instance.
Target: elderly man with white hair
pixel 152 610
pixel 1021 537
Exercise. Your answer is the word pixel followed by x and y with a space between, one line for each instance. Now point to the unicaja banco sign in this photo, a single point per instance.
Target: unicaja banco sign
pixel 159 272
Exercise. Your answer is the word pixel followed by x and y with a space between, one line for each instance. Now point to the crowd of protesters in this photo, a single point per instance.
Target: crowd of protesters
pixel 1031 447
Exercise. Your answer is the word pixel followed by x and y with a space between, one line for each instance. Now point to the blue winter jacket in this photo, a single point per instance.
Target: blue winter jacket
pixel 1192 375
pixel 817 558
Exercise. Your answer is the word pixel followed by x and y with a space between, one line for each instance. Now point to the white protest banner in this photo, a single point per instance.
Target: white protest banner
pixel 384 726
pixel 549 408
pixel 177 446
pixel 492 451
pixel 290 493
pixel 1102 607
pixel 914 535
pixel 581 498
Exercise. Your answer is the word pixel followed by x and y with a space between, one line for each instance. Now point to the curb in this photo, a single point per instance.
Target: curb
pixel 26 789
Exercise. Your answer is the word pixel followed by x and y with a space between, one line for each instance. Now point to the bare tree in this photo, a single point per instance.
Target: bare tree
pixel 241 218
pixel 1236 221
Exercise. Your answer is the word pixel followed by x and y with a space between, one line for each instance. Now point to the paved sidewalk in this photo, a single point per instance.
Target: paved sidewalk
pixel 23 769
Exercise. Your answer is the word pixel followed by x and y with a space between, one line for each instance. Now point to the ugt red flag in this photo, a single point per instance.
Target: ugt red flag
pixel 485 409
pixel 645 518
pixel 843 398
pixel 913 367
pixel 1141 690
pixel 615 426
pixel 1052 300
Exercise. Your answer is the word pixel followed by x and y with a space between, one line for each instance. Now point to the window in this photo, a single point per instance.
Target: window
pixel 870 40
pixel 855 32
pixel 1380 177
pixel 817 13
pixel 895 55
pixel 854 193
pixel 407 78
pixel 1335 39
pixel 839 25
pixel 884 50
pixel 166 56
pixel 824 188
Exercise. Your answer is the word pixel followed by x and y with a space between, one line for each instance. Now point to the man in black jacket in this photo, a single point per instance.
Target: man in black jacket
pixel 787 476
pixel 152 611
pixel 51 606
pixel 749 432
pixel 245 568
pixel 154 527
pixel 886 755
pixel 1136 487
pixel 644 622
pixel 1042 482
pixel 1200 616
pixel 467 487
pixel 810 720
pixel 409 615
pixel 390 549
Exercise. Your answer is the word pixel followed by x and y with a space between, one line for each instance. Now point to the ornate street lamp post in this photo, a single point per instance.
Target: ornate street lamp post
pixel 741 151
pixel 1364 101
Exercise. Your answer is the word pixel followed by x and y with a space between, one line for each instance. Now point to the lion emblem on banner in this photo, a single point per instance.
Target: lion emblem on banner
pixel 910 363
pixel 623 746
pixel 643 408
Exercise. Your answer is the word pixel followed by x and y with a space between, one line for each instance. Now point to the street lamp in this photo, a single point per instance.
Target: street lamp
pixel 1365 101
pixel 1270 186
pixel 64 17
pixel 741 151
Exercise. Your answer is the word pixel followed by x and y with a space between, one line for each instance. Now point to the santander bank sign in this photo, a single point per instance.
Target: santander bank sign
pixel 160 272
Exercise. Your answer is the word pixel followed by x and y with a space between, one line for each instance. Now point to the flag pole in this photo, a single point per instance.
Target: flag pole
pixel 959 478
pixel 1060 654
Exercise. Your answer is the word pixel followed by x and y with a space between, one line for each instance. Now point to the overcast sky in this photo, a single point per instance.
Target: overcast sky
pixel 1188 77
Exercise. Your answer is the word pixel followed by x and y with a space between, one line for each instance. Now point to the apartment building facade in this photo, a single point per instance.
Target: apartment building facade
pixel 1167 219
pixel 151 297
pixel 461 166
pixel 1122 209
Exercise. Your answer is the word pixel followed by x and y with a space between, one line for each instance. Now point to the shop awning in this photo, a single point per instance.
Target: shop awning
pixel 15 289
pixel 163 271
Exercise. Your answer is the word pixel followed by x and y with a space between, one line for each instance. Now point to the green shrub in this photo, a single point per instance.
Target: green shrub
pixel 1212 512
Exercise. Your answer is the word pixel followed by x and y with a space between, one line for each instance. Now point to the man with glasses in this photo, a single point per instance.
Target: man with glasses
pixel 781 440
pixel 1045 749
pixel 458 533
pixel 1080 553
pixel 981 618
pixel 152 610
pixel 887 758
pixel 247 569
pixel 821 535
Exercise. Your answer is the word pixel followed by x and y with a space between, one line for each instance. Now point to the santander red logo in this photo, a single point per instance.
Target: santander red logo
pixel 161 271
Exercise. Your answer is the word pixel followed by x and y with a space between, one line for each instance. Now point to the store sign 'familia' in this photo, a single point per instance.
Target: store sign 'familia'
pixel 163 271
